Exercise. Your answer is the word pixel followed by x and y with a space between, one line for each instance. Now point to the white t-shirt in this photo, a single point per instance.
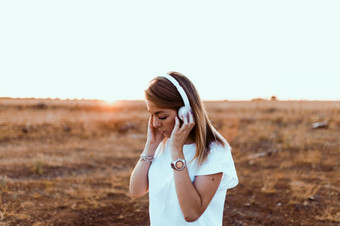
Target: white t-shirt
pixel 164 207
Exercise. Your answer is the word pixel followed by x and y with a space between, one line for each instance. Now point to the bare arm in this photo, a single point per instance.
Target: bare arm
pixel 139 184
pixel 194 197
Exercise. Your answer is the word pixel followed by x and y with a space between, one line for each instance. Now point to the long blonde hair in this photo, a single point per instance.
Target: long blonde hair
pixel 164 94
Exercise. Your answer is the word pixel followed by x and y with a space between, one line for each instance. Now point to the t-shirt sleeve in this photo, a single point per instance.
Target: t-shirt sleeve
pixel 220 160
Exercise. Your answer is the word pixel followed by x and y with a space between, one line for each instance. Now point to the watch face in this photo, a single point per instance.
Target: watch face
pixel 179 164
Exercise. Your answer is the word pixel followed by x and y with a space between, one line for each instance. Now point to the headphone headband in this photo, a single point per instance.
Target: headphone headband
pixel 179 89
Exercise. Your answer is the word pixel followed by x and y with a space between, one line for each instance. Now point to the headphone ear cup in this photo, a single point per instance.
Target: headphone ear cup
pixel 183 112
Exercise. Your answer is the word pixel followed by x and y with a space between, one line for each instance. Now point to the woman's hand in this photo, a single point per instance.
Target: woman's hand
pixel 154 136
pixel 180 134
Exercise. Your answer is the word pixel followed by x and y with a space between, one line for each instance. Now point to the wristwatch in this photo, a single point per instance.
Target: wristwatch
pixel 178 164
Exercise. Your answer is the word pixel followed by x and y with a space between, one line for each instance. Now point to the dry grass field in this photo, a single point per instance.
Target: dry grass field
pixel 68 162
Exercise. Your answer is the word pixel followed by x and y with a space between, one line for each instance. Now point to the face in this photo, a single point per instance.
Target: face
pixel 163 119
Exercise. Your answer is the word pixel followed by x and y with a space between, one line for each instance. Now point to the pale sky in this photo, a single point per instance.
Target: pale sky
pixel 111 49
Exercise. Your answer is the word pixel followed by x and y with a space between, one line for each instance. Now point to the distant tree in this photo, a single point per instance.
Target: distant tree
pixel 273 98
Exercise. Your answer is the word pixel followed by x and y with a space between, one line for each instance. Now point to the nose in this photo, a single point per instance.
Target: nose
pixel 155 122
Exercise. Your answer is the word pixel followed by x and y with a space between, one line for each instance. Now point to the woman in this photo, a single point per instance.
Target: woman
pixel 186 165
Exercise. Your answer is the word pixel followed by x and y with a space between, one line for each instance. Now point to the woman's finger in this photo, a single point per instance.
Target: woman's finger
pixel 191 118
pixel 176 123
pixel 188 123
pixel 150 120
pixel 185 122
pixel 186 118
pixel 175 129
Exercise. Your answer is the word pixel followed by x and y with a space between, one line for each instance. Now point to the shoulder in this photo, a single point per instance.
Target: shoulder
pixel 217 150
pixel 217 156
pixel 219 160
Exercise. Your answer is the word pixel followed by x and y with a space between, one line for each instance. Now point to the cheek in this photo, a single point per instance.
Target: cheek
pixel 171 123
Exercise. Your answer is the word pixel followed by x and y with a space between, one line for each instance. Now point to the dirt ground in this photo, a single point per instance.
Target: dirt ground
pixel 68 162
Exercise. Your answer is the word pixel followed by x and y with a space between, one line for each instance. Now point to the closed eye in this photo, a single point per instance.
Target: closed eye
pixel 163 118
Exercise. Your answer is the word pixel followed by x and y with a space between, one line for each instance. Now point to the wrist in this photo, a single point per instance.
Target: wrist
pixel 177 154
pixel 150 149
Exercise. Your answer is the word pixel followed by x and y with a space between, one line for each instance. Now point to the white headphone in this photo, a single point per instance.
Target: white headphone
pixel 184 110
